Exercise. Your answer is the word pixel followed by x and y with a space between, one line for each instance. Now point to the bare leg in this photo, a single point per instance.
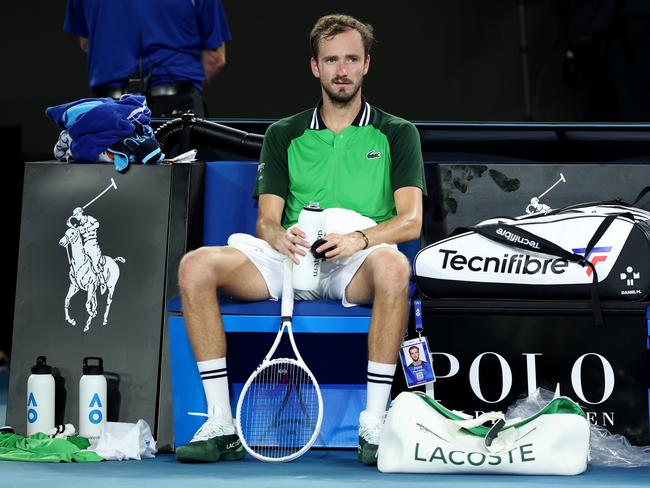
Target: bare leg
pixel 383 281
pixel 201 274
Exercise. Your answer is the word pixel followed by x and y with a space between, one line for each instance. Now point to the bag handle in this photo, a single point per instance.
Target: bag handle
pixel 497 440
pixel 641 194
pixel 472 422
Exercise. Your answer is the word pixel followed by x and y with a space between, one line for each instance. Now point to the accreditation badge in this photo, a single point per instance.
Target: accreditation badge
pixel 416 362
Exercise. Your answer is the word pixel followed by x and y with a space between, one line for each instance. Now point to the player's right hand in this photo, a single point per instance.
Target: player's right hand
pixel 293 243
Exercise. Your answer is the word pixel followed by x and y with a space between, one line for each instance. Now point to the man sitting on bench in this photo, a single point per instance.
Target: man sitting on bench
pixel 344 153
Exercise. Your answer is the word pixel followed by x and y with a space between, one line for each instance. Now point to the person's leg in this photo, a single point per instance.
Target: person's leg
pixel 201 274
pixel 382 280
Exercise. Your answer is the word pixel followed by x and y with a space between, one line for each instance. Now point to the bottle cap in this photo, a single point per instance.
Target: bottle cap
pixel 93 369
pixel 41 366
pixel 313 207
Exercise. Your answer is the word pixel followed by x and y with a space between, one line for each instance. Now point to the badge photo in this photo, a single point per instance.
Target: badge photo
pixel 416 362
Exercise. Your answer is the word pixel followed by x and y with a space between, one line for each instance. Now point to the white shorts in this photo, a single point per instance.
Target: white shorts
pixel 334 275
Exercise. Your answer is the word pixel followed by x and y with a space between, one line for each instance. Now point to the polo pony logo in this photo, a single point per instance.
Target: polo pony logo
pixel 89 269
pixel 536 206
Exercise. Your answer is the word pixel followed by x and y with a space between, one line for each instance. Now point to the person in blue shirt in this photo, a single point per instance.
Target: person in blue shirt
pixel 165 49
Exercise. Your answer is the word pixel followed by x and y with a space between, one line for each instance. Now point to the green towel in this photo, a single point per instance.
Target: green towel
pixel 41 448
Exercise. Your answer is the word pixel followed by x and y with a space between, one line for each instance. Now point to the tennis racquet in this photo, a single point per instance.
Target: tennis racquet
pixel 280 409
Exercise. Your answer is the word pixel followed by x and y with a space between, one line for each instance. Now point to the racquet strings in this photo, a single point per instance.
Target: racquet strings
pixel 280 410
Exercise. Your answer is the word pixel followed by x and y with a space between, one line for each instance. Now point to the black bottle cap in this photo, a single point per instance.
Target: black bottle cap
pixel 318 243
pixel 41 366
pixel 93 369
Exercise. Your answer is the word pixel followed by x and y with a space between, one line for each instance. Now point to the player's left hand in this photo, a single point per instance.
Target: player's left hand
pixel 341 245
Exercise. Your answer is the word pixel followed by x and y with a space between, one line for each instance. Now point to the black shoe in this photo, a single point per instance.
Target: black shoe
pixel 214 441
pixel 369 428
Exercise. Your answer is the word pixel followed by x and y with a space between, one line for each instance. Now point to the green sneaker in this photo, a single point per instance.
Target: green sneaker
pixel 369 428
pixel 214 441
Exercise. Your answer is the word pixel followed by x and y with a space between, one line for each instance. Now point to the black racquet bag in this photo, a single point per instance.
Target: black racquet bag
pixel 597 250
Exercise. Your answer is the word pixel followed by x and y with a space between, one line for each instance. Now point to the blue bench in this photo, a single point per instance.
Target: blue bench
pixel 229 208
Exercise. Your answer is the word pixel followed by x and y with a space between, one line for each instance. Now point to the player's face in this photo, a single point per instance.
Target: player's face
pixel 341 66
pixel 415 354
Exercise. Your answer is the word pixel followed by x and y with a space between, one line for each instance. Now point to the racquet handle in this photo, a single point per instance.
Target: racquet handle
pixel 287 290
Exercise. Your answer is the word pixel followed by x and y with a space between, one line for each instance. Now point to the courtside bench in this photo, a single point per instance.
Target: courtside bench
pixel 332 339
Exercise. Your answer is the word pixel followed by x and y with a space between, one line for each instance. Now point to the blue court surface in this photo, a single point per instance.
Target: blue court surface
pixel 322 469
pixel 318 468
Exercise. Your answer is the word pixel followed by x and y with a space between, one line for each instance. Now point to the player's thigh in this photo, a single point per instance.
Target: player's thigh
pixel 383 269
pixel 227 268
pixel 245 281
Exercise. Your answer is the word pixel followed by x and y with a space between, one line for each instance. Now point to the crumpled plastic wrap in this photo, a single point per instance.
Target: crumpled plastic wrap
pixel 605 448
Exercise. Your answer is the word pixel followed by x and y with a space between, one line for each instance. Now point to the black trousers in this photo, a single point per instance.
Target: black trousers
pixel 188 97
pixel 172 106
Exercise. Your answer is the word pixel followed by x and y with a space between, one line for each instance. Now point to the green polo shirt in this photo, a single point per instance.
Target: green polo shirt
pixel 359 168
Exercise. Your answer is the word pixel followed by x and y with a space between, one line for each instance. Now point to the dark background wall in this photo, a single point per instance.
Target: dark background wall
pixel 442 60
pixel 434 60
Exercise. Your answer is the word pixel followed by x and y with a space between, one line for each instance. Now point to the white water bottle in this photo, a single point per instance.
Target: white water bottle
pixel 92 398
pixel 312 222
pixel 40 398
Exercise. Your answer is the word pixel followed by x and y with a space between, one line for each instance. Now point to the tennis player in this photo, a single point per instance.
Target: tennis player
pixel 344 153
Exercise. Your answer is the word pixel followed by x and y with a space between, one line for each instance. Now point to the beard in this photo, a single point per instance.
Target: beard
pixel 341 98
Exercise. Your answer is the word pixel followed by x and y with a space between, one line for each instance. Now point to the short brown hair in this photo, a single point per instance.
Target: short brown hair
pixel 330 25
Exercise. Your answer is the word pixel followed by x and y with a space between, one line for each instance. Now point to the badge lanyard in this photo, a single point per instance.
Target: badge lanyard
pixel 417 309
pixel 417 367
pixel 417 313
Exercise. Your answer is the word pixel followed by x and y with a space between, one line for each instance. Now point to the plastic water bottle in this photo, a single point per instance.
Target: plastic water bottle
pixel 92 398
pixel 40 398
pixel 312 222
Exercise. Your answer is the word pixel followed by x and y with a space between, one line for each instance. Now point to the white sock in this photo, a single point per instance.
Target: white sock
pixel 214 376
pixel 380 379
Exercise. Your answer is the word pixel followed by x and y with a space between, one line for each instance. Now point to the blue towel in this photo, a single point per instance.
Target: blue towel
pixel 95 124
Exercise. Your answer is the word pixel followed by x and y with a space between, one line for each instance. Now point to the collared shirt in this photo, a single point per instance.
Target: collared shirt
pixel 358 168
pixel 362 118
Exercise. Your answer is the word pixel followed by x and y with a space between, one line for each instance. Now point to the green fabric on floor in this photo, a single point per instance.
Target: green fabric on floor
pixel 41 448
pixel 80 442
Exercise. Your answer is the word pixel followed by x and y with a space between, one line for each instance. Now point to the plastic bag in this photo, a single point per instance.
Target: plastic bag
pixel 605 448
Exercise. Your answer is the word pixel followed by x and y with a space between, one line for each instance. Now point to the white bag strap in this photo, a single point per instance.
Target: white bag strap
pixel 472 422
pixel 497 440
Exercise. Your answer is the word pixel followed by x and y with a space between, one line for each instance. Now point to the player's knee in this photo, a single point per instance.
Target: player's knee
pixel 391 271
pixel 198 268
